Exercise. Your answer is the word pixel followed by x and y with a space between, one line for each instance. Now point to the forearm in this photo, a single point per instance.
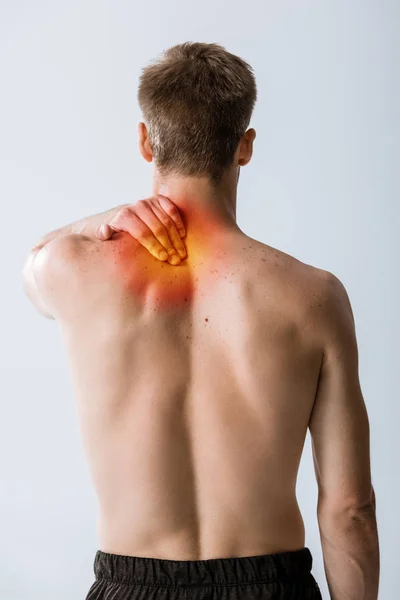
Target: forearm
pixel 86 227
pixel 351 555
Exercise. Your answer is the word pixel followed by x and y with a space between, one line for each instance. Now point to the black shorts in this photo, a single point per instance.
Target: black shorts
pixel 281 576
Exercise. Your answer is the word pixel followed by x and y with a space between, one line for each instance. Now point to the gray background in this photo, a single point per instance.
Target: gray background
pixel 323 185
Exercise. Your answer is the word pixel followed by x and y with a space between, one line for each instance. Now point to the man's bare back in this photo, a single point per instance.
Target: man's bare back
pixel 195 386
pixel 196 383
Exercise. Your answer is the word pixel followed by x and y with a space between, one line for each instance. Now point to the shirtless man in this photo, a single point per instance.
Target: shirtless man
pixel 196 382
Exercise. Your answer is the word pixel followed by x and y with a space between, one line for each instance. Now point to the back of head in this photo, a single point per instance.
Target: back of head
pixel 197 100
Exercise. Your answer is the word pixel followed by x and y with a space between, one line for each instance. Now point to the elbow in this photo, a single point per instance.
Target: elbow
pixel 27 271
pixel 353 510
pixel 30 286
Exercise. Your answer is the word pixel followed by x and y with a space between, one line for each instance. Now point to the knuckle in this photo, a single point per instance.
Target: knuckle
pixel 159 229
pixel 168 223
pixel 124 213
pixel 160 214
pixel 144 232
pixel 173 212
pixel 157 248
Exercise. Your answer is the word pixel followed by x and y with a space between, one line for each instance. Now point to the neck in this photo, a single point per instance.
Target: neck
pixel 202 207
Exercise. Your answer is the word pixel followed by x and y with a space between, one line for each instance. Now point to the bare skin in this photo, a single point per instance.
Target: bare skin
pixel 196 384
pixel 192 428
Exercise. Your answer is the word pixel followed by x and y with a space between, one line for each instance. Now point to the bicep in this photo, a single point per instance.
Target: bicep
pixel 339 424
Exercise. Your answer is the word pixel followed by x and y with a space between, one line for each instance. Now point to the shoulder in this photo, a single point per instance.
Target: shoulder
pixel 314 298
pixel 73 270
pixel 330 316
pixel 60 256
pixel 318 297
pixel 76 254
pixel 332 298
pixel 319 291
pixel 54 269
pixel 307 286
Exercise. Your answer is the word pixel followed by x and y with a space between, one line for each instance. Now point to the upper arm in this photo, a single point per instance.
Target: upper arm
pixel 48 273
pixel 339 425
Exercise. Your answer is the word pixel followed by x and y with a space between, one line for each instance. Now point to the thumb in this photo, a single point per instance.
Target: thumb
pixel 104 232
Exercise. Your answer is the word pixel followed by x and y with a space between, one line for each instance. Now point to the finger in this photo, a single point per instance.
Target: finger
pixel 104 232
pixel 172 211
pixel 170 226
pixel 144 211
pixel 127 220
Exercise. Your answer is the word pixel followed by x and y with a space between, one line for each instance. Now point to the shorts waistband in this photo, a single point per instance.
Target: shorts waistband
pixel 214 571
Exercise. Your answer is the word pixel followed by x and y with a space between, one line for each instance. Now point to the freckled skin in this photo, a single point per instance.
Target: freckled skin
pixel 194 386
pixel 179 289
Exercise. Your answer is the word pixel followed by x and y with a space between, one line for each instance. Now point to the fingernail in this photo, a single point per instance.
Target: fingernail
pixel 175 260
pixel 163 255
pixel 182 232
pixel 182 253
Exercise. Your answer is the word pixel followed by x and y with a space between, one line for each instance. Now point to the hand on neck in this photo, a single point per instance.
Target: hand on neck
pixel 200 204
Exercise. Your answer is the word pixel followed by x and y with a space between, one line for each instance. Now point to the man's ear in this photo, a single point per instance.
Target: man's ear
pixel 246 147
pixel 144 143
